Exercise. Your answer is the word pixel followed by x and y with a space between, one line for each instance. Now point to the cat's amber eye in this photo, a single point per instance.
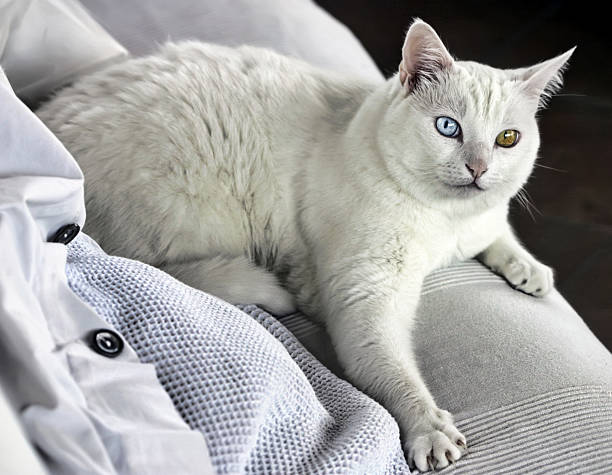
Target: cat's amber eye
pixel 507 138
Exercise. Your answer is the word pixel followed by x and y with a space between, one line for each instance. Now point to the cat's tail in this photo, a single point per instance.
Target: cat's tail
pixel 235 280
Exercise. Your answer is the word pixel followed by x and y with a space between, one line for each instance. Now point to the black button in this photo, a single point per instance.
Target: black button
pixel 67 233
pixel 106 342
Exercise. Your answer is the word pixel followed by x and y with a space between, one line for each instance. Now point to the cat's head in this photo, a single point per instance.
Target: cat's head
pixel 463 132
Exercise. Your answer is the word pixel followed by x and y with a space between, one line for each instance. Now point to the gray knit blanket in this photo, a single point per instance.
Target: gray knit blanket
pixel 266 405
pixel 263 403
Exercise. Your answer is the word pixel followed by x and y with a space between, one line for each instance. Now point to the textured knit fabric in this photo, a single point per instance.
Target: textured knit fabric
pixel 264 404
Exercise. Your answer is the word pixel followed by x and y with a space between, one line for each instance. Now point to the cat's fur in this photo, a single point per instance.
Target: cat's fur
pixel 236 169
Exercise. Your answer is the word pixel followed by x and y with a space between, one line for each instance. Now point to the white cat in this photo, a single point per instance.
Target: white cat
pixel 237 169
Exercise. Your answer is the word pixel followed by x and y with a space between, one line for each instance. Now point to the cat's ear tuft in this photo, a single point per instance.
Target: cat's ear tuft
pixel 546 78
pixel 423 55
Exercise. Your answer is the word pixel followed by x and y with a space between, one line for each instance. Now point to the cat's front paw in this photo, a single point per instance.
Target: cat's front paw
pixel 433 442
pixel 528 275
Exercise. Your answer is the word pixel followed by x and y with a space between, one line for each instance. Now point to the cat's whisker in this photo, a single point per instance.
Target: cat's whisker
pixel 550 168
pixel 521 200
pixel 524 200
pixel 530 202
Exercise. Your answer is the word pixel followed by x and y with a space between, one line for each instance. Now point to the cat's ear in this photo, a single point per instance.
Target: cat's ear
pixel 546 78
pixel 423 55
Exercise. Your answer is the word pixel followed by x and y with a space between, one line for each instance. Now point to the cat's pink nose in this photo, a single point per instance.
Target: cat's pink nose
pixel 477 168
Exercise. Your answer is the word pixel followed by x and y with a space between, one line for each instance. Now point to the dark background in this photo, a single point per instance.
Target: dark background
pixel 571 230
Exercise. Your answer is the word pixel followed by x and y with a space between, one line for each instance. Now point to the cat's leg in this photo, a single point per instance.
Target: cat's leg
pixel 235 280
pixel 509 258
pixel 370 328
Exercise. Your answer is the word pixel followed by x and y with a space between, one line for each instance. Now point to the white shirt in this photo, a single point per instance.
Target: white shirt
pixel 83 411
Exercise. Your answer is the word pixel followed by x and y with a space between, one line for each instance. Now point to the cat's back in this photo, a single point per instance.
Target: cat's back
pixel 182 140
pixel 185 87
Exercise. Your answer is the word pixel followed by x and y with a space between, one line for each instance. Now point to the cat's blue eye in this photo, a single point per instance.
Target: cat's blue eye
pixel 448 127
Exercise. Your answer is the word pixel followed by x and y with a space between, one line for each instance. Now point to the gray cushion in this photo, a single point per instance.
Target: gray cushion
pixel 529 384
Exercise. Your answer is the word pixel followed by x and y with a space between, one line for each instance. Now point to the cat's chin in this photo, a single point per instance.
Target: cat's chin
pixel 468 189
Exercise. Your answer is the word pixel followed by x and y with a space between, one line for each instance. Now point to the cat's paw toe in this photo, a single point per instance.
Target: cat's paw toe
pixel 533 278
pixel 433 451
pixel 435 443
